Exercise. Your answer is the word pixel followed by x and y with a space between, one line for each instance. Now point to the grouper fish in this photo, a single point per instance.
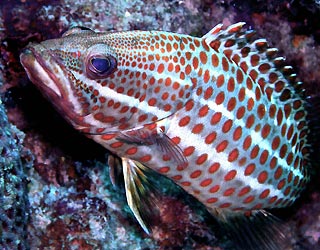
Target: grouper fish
pixel 220 115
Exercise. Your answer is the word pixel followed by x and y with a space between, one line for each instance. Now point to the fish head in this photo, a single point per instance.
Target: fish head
pixel 82 74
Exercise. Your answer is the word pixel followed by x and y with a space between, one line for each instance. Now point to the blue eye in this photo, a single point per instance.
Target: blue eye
pixel 100 66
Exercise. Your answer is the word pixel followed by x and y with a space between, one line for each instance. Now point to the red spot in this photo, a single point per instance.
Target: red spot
pixel 220 81
pixel 202 159
pixel 195 62
pixel 146 158
pixel 219 98
pixel 249 199
pixel 225 205
pixel 206 76
pixel 237 133
pixel 117 144
pixel 225 64
pixel 177 177
pixel 196 174
pixel 214 167
pixel 164 170
pixel 197 128
pixel 264 157
pixel 210 137
pixel 108 137
pixel 186 183
pixel 203 57
pixel 216 118
pixel 241 94
pixel 229 192
pixel 152 102
pixel 233 155
pixel 212 200
pixel 214 189
pixel 278 173
pixel 240 112
pixel 281 184
pixel 167 107
pixel 205 182
pixel 131 151
pixel 250 104
pixel 214 60
pixel 222 146
pixel 160 68
pixel 188 151
pixel 188 69
pixel 208 93
pixel 244 191
pixel 272 199
pixel 273 163
pixel 189 105
pixel 254 152
pixel 239 76
pixel 203 111
pixel 262 177
pixel 230 175
pixel 231 84
pixel 142 117
pixel 165 96
pixel 275 143
pixel 264 194
pixel 250 121
pixel 227 126
pixel 247 142
pixel 249 169
pixel 184 121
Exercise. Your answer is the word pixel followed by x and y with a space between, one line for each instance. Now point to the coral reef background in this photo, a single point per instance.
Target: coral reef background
pixel 55 191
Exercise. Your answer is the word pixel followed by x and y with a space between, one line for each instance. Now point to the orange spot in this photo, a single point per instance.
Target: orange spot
pixel 160 68
pixel 222 146
pixel 184 121
pixel 230 175
pixel 202 159
pixel 214 60
pixel 188 151
pixel 203 111
pixel 197 128
pixel 206 76
pixel 203 57
pixel 152 102
pixel 196 174
pixel 205 182
pixel 249 169
pixel 195 62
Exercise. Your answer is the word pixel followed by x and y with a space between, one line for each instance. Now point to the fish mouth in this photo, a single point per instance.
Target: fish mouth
pixel 44 70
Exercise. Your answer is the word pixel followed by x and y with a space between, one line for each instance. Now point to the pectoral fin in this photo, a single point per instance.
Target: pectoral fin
pixel 141 197
pixel 153 135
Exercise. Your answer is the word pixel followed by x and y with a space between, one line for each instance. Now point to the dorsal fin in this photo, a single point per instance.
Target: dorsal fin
pixel 255 58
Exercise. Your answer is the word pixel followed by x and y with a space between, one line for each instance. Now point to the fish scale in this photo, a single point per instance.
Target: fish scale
pixel 220 115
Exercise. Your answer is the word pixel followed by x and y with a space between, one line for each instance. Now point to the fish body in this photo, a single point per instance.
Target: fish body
pixel 219 115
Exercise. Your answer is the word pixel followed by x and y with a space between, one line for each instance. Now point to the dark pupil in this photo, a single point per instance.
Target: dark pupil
pixel 101 64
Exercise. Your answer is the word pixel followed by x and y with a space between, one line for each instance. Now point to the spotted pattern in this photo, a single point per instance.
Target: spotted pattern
pixel 220 102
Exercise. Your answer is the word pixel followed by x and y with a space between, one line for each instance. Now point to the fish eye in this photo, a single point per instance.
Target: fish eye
pixel 101 66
